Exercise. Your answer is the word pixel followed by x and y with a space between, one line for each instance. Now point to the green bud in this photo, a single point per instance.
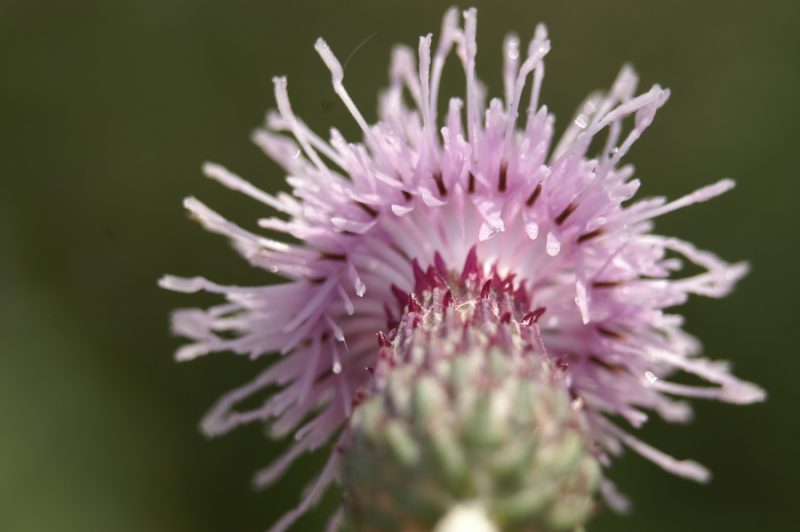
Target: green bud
pixel 467 425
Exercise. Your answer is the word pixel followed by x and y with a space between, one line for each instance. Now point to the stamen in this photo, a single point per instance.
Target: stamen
pixel 510 65
pixel 685 468
pixel 366 208
pixel 536 53
pixel 534 195
pixel 337 76
pixel 282 98
pixel 449 34
pixel 437 177
pixel 470 49
pixel 698 196
pixel 327 255
pixel 539 37
pixel 561 218
pixel 611 334
pixel 613 368
pixel 425 78
pixel 234 182
pixel 590 235
pixel 501 180
pixel 606 284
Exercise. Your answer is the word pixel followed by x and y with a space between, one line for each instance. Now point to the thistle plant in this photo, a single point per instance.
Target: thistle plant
pixel 474 314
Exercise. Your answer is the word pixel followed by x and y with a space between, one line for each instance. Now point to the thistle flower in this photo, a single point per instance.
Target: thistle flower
pixel 493 263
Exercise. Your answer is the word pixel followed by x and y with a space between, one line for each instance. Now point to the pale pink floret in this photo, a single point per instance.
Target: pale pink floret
pixel 421 184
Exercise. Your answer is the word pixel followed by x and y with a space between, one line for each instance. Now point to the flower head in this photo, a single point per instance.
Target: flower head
pixel 423 208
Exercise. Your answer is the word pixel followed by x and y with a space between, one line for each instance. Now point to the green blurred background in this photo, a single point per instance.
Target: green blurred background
pixel 108 110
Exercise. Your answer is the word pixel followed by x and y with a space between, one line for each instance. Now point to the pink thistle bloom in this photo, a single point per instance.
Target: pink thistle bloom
pixel 486 187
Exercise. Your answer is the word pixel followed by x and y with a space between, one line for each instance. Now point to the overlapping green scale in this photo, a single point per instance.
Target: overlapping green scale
pixel 478 426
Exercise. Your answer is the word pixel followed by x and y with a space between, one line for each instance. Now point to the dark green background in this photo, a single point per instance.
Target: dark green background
pixel 110 107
